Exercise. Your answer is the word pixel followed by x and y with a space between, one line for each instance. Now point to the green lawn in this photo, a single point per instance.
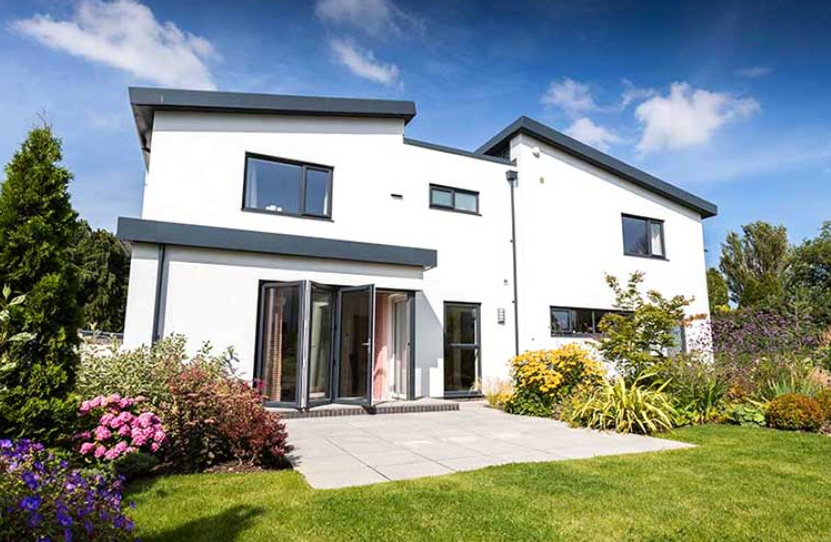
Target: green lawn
pixel 739 484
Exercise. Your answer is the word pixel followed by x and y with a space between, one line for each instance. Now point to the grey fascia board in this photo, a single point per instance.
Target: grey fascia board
pixel 191 235
pixel 460 152
pixel 145 101
pixel 525 125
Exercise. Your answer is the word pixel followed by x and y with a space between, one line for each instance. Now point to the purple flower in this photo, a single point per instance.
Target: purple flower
pixel 65 520
pixel 30 503
pixel 5 444
pixel 30 480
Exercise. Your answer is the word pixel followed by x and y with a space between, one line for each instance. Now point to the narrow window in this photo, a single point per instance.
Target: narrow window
pixel 643 237
pixel 461 348
pixel 287 187
pixel 576 321
pixel 454 199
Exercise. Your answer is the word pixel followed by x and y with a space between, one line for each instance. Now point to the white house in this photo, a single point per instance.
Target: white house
pixel 345 262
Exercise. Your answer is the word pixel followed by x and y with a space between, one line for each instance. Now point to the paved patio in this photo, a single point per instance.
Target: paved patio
pixel 362 450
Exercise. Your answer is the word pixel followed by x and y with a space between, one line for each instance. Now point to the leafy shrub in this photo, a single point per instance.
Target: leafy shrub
pixel 643 334
pixel 698 388
pixel 119 428
pixel 41 498
pixel 543 378
pixel 135 465
pixel 146 371
pixel 794 412
pixel 746 413
pixel 214 419
pixel 823 398
pixel 635 408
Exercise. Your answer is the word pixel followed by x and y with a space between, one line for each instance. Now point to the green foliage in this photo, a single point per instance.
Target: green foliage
pixel 7 336
pixel 542 378
pixel 717 291
pixel 37 226
pixel 135 465
pixel 748 413
pixel 755 263
pixel 145 371
pixel 625 408
pixel 643 336
pixel 792 379
pixel 104 268
pixel 809 274
pixel 698 388
pixel 794 412
pixel 823 398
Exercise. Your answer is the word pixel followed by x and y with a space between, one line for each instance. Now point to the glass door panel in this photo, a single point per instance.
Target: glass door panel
pixel 280 341
pixel 320 344
pixel 355 343
pixel 461 348
pixel 401 347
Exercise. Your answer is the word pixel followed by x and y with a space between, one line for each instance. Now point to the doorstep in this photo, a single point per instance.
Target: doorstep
pixel 426 404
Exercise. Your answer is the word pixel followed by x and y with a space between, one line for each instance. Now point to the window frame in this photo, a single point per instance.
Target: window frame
pixel 573 320
pixel 305 167
pixel 649 222
pixel 452 207
pixel 477 346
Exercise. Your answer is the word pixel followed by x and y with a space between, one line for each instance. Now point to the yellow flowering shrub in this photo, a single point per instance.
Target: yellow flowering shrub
pixel 542 378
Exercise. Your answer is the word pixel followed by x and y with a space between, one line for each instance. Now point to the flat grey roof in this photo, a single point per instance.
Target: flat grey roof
pixel 460 152
pixel 525 125
pixel 146 101
pixel 171 233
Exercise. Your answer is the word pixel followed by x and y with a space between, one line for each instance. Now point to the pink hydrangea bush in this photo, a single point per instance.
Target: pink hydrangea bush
pixel 121 428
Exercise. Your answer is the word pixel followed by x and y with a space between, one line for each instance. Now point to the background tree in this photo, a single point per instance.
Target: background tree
pixel 754 264
pixel 645 333
pixel 37 226
pixel 717 291
pixel 809 275
pixel 104 268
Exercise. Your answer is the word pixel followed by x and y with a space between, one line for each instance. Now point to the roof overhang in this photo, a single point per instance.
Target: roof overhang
pixel 169 233
pixel 146 101
pixel 558 140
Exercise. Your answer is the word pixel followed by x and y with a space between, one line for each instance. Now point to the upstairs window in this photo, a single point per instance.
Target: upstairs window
pixel 643 237
pixel 454 199
pixel 275 185
pixel 574 321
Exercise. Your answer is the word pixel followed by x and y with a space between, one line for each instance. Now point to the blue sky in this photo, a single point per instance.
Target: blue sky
pixel 728 100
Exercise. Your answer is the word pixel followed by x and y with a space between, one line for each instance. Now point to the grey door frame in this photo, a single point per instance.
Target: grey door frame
pixel 370 345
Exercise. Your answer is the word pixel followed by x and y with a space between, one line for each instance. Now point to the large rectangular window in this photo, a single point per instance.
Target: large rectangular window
pixel 454 199
pixel 574 321
pixel 287 187
pixel 643 237
pixel 461 348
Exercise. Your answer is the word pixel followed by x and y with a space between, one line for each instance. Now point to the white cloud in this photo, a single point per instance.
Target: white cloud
pixel 588 132
pixel 374 17
pixel 572 96
pixel 687 116
pixel 362 62
pixel 125 34
pixel 631 94
pixel 753 71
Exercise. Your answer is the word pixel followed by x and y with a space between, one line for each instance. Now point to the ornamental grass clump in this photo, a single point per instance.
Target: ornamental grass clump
pixel 42 499
pixel 119 427
pixel 543 378
pixel 625 408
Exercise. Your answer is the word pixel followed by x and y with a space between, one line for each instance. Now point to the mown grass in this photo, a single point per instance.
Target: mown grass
pixel 739 484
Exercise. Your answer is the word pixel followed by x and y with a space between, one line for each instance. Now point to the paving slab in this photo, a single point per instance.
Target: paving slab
pixel 353 451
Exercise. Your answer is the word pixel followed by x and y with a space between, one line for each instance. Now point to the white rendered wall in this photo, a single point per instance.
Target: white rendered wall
pixel 569 232
pixel 570 235
pixel 196 177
